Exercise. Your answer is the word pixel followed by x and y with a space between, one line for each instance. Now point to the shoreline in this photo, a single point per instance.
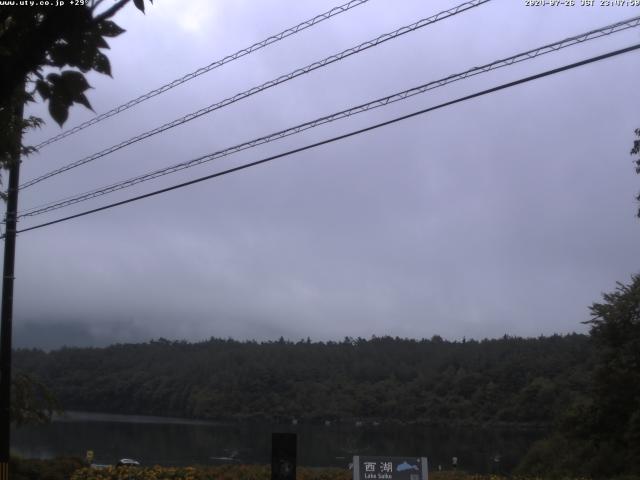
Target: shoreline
pixel 290 422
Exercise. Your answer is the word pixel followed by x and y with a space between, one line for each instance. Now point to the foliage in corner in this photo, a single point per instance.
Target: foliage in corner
pixel 615 327
pixel 65 42
pixel 636 151
pixel 599 436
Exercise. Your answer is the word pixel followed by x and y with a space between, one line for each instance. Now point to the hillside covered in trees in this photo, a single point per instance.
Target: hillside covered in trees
pixel 510 380
pixel 598 436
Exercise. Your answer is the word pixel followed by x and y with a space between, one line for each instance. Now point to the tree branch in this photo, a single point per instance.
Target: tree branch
pixel 96 4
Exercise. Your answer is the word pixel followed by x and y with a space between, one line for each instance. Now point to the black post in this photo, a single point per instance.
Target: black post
pixel 283 456
pixel 7 296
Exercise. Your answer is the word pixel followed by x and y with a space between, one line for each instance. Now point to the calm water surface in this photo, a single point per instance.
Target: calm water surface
pixel 167 441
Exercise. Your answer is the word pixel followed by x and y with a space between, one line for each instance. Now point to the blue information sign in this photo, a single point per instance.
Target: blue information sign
pixel 390 468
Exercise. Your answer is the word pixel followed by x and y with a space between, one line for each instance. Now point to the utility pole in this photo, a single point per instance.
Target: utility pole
pixel 7 288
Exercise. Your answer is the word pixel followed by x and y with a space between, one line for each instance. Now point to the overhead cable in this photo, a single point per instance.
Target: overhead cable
pixel 272 83
pixel 218 63
pixel 340 137
pixel 520 57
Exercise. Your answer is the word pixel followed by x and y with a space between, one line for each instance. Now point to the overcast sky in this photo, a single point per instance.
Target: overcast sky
pixel 510 213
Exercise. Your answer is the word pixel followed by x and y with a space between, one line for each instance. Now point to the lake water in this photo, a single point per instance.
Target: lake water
pixel 166 441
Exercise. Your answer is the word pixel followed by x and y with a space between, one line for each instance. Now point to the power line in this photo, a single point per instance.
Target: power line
pixel 272 83
pixel 218 63
pixel 380 102
pixel 342 137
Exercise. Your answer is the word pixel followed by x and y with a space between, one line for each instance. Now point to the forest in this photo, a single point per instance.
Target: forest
pixel 584 390
pixel 510 381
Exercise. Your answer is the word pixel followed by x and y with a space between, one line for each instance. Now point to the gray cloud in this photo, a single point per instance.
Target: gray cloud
pixel 507 214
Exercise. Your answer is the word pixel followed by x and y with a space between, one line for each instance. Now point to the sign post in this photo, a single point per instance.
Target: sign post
pixel 390 468
pixel 283 456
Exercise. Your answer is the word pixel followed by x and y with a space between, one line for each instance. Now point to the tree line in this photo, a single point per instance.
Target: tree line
pixel 509 380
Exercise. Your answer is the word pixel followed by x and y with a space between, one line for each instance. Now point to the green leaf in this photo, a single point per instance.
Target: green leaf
pixel 53 79
pixel 139 5
pixel 101 64
pixel 108 28
pixel 82 99
pixel 74 82
pixel 85 58
pixel 65 90
pixel 100 41
pixel 28 150
pixel 59 110
pixel 32 122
